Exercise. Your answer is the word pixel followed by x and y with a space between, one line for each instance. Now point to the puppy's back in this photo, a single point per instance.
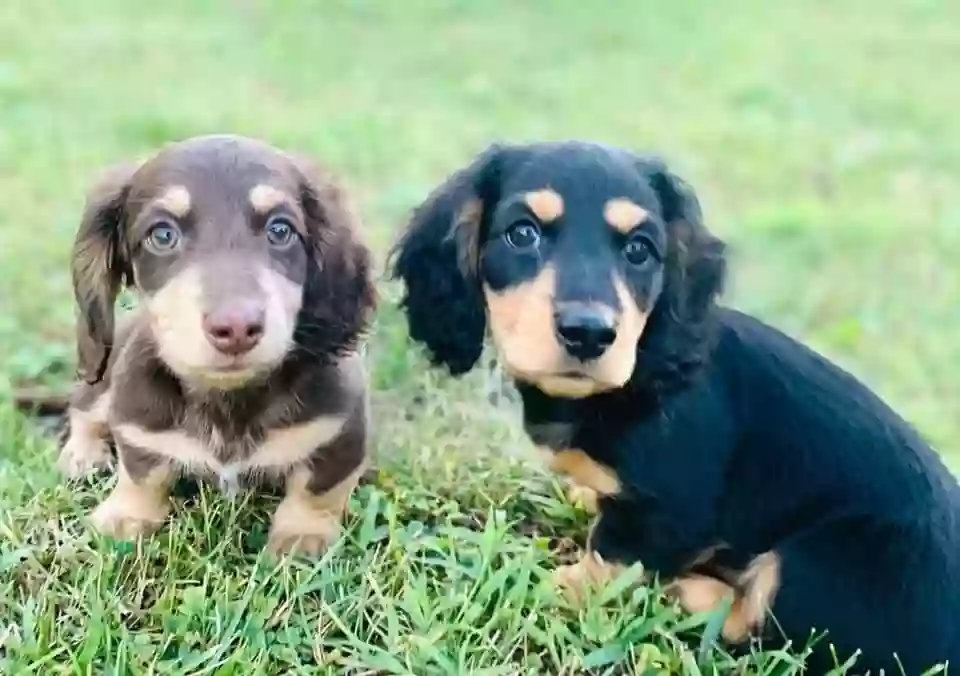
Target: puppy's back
pixel 864 514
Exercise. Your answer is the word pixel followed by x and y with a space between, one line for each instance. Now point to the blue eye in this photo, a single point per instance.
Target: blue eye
pixel 279 231
pixel 163 237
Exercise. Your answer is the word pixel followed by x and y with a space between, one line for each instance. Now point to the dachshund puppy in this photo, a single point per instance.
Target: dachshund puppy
pixel 240 362
pixel 728 458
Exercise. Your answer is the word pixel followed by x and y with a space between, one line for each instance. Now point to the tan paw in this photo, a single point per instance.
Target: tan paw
pixel 583 496
pixel 698 593
pixel 309 538
pixel 701 594
pixel 570 581
pixel 81 456
pixel 590 572
pixel 124 520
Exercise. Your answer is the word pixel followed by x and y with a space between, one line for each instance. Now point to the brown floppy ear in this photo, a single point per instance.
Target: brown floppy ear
pixel 339 294
pixel 100 268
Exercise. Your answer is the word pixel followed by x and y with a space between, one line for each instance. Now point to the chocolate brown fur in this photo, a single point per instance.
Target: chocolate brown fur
pixel 240 362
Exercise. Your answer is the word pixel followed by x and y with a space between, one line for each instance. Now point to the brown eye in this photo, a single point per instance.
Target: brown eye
pixel 637 251
pixel 279 231
pixel 523 235
pixel 163 237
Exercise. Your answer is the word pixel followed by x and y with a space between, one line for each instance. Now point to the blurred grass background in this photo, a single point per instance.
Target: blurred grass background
pixel 822 136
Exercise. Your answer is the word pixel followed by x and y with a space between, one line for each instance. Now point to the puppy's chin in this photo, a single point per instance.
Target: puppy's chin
pixel 569 387
pixel 580 382
pixel 224 379
pixel 566 386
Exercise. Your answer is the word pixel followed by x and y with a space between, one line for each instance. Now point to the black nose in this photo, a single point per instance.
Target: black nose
pixel 585 331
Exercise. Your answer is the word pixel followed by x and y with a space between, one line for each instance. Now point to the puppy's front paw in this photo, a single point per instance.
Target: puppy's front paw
pixel 699 594
pixel 126 519
pixel 570 581
pixel 591 571
pixel 582 495
pixel 81 456
pixel 309 537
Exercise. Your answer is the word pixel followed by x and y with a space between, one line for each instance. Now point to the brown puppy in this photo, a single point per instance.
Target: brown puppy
pixel 240 362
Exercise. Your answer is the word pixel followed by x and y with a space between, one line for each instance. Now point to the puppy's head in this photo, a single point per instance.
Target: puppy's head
pixel 587 265
pixel 239 252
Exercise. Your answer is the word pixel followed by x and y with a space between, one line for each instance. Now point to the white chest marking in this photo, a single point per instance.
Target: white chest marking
pixel 280 450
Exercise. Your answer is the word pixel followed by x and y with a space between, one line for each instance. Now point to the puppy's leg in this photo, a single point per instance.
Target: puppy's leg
pixel 140 501
pixel 586 480
pixel 85 448
pixel 591 571
pixel 309 517
pixel 751 598
pixel 629 530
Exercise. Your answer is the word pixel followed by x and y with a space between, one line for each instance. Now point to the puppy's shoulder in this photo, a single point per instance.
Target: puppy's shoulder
pixel 754 348
pixel 327 387
pixel 142 388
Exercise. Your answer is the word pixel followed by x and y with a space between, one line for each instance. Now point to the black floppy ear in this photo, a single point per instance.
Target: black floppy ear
pixel 100 267
pixel 437 258
pixel 678 333
pixel 696 265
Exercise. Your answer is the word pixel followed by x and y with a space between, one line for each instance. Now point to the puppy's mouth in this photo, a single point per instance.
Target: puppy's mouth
pixel 235 366
pixel 228 373
pixel 572 375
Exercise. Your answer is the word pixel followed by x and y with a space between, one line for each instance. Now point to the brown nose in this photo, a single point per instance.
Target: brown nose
pixel 234 328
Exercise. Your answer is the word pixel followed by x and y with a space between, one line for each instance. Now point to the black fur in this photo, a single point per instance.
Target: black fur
pixel 678 335
pixel 730 433
pixel 430 258
pixel 772 447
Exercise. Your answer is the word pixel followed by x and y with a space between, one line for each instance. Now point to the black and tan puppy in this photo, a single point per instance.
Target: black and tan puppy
pixel 727 457
pixel 241 360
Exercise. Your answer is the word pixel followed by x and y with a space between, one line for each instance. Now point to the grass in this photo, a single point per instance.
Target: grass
pixel 822 137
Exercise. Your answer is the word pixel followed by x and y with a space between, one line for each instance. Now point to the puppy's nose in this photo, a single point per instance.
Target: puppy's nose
pixel 586 332
pixel 234 328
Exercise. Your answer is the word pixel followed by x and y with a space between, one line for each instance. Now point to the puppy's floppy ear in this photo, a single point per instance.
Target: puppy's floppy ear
pixel 678 331
pixel 339 294
pixel 437 258
pixel 697 265
pixel 100 267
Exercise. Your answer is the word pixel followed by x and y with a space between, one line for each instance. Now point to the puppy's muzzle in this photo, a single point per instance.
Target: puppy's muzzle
pixel 585 330
pixel 236 327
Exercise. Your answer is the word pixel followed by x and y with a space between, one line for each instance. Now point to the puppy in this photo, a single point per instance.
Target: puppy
pixel 727 458
pixel 240 362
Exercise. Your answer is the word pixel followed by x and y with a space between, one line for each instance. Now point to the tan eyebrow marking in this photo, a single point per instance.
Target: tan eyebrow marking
pixel 624 215
pixel 265 197
pixel 176 200
pixel 546 204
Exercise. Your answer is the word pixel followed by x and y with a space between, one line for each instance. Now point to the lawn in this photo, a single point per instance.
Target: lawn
pixel 823 139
